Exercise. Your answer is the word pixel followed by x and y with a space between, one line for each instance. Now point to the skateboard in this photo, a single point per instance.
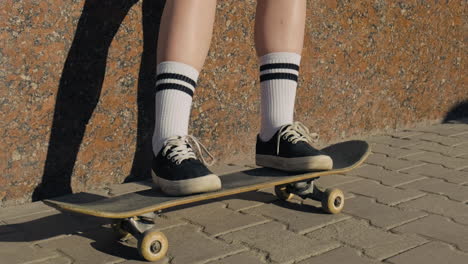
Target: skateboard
pixel 134 212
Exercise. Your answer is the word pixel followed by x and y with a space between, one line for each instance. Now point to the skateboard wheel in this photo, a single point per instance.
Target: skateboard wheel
pixel 282 193
pixel 153 246
pixel 333 201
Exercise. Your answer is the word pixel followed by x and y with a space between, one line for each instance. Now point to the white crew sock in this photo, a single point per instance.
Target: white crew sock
pixel 175 85
pixel 278 82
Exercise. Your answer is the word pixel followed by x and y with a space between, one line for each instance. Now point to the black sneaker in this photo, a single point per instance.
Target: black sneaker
pixel 177 170
pixel 290 150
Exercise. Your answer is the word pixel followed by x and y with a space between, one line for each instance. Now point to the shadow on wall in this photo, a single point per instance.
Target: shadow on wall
pixel 458 112
pixel 80 88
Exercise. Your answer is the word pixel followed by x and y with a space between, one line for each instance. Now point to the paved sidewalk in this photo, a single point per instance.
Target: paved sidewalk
pixel 407 204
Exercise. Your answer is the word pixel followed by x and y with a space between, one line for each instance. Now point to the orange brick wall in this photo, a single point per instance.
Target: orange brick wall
pixel 77 100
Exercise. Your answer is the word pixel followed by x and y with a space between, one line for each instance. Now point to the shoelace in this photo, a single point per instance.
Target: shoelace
pixel 182 148
pixel 295 133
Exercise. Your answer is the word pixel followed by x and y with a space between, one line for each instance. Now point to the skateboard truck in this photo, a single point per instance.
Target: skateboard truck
pixel 152 244
pixel 332 199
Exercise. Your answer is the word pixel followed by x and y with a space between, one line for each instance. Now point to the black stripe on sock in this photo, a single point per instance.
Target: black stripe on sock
pixel 279 66
pixel 177 77
pixel 278 75
pixel 174 86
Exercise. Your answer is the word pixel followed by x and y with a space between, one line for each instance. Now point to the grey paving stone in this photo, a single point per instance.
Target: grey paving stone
pixel 281 245
pixel 444 140
pixel 164 221
pixel 188 245
pixel 378 214
pixel 14 249
pixel 55 260
pixel 345 255
pixel 383 194
pixel 439 228
pixel 375 243
pixel 24 210
pixel 462 137
pixel 433 252
pixel 438 148
pixel 241 258
pixel 216 219
pixel 436 186
pixel 386 177
pixel 462 148
pixel 164 260
pixel 300 218
pixel 435 158
pixel 393 151
pixel 439 205
pixel 94 246
pixel 443 129
pixel 392 141
pixel 405 134
pixel 437 171
pixel 50 224
pixel 392 163
pixel 248 200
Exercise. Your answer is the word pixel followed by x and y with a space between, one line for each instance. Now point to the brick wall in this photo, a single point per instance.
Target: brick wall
pixel 77 101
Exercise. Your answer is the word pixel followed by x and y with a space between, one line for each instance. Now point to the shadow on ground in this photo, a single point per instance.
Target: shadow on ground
pixel 458 113
pixel 98 230
pixel 80 87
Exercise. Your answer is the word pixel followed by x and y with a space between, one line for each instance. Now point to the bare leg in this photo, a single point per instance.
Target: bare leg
pixel 279 26
pixel 183 43
pixel 279 38
pixel 186 30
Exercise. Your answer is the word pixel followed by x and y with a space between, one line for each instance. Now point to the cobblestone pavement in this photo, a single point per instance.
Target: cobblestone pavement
pixel 407 204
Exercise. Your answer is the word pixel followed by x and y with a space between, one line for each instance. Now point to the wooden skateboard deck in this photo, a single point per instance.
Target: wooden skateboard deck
pixel 346 156
pixel 135 211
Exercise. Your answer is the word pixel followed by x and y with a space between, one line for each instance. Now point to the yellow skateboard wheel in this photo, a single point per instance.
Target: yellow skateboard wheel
pixel 333 201
pixel 282 193
pixel 153 246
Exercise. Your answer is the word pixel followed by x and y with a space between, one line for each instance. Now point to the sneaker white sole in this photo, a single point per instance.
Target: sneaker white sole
pixel 313 163
pixel 208 183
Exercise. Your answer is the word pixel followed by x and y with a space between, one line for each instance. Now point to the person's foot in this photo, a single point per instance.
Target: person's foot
pixel 177 170
pixel 290 150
